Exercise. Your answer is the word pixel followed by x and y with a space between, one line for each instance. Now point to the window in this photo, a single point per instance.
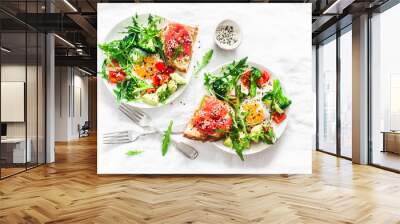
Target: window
pixel 385 89
pixel 394 101
pixel 346 92
pixel 327 96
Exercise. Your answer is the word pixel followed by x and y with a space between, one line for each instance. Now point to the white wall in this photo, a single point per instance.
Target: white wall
pixel 79 117
pixel 62 81
pixel 69 82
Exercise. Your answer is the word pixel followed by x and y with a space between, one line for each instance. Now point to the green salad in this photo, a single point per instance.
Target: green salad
pixel 257 101
pixel 137 65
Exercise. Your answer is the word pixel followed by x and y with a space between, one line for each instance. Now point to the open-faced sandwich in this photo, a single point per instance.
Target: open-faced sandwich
pixel 178 42
pixel 149 63
pixel 211 121
pixel 251 102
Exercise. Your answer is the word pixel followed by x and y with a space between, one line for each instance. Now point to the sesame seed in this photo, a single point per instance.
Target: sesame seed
pixel 226 35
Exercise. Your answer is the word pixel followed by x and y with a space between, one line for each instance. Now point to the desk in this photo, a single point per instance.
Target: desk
pixel 391 141
pixel 18 150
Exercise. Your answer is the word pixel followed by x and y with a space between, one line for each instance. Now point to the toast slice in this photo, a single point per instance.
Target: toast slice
pixel 180 63
pixel 192 132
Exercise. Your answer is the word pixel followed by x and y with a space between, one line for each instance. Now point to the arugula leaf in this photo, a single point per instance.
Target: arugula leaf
pixel 103 72
pixel 223 83
pixel 276 99
pixel 134 152
pixel 166 139
pixel 112 50
pixel 238 133
pixel 160 48
pixel 254 76
pixel 130 89
pixel 145 37
pixel 204 61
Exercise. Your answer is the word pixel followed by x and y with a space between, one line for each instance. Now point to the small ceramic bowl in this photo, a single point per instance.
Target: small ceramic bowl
pixel 227 35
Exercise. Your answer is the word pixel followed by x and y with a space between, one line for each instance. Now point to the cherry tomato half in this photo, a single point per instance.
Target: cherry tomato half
pixel 160 79
pixel 278 118
pixel 164 79
pixel 116 76
pixel 265 76
pixel 245 78
pixel 160 66
pixel 169 70
pixel 156 80
pixel 151 90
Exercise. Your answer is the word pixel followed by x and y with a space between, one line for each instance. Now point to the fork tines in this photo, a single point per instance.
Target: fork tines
pixel 117 137
pixel 134 114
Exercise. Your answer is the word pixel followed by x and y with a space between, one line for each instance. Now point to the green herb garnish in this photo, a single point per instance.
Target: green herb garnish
pixel 204 62
pixel 134 152
pixel 177 52
pixel 166 139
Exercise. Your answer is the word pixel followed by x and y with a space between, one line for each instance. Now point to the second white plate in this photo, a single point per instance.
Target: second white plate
pixel 278 128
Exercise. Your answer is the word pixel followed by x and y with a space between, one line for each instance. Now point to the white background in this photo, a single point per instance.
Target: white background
pixel 275 35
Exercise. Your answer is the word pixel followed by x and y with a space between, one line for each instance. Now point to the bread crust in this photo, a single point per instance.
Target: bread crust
pixel 183 64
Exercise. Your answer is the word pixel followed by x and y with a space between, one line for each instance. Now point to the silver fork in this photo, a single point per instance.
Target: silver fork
pixel 120 137
pixel 144 121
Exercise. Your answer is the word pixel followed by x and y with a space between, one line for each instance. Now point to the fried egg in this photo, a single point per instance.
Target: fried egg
pixel 147 69
pixel 255 110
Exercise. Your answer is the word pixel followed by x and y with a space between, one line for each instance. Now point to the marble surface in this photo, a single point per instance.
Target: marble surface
pixel 275 35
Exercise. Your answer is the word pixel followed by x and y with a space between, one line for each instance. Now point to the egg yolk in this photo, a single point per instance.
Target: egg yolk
pixel 147 69
pixel 255 113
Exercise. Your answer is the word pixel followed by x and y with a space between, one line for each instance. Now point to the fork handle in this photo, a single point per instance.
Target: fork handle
pixel 186 149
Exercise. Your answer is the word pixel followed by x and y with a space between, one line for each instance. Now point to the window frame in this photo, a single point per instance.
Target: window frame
pixel 334 37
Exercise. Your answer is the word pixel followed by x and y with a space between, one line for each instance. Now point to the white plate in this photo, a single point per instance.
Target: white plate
pixel 278 128
pixel 116 33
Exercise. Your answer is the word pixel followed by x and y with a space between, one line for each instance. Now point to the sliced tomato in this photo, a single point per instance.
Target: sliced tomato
pixel 116 76
pixel 278 118
pixel 245 78
pixel 212 117
pixel 177 35
pixel 227 124
pixel 265 76
pixel 151 90
pixel 187 49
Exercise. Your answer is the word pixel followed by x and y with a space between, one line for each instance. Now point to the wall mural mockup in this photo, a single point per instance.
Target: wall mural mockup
pixel 205 89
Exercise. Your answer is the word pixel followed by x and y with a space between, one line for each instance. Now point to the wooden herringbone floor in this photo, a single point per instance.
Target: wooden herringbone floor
pixel 70 191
